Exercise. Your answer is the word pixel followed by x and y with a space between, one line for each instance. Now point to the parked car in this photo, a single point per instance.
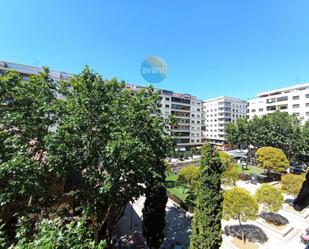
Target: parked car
pixel 297 168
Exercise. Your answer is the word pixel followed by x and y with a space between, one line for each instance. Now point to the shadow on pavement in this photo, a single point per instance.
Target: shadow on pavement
pixel 252 233
pixel 177 229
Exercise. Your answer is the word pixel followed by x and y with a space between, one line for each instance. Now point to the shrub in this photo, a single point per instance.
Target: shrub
pixel 55 234
pixel 291 184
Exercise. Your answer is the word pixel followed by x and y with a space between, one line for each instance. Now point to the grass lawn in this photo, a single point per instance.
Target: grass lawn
pixel 179 191
pixel 250 170
pixel 172 178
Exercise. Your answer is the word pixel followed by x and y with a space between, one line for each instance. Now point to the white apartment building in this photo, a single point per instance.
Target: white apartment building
pixel 294 100
pixel 187 110
pixel 217 113
pixel 26 71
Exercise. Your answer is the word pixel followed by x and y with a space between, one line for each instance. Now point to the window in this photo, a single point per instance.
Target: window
pixel 167 106
pixel 296 106
pixel 307 104
pixel 253 110
pixel 307 96
pixel 168 99
pixel 283 98
pixel 307 114
pixel 271 108
pixel 296 97
pixel 261 109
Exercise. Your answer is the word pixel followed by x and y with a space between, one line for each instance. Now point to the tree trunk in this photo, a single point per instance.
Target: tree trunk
pixel 241 230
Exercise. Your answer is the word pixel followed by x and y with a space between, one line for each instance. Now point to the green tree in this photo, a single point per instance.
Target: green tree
pixel 226 159
pixel 100 139
pixel 230 176
pixel 239 205
pixel 271 197
pixel 154 215
pixel 291 183
pixel 206 224
pixel 272 159
pixel 189 175
pixel 279 129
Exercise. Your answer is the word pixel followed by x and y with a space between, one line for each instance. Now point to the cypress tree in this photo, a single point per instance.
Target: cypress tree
pixel 154 215
pixel 206 224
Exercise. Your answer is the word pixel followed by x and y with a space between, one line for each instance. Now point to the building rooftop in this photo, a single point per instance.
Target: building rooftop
pixel 285 89
pixel 224 97
pixel 32 70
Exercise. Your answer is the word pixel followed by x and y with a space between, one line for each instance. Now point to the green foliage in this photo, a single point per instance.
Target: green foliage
pixel 239 205
pixel 101 139
pixel 55 234
pixel 272 159
pixel 206 224
pixel 291 183
pixel 20 178
pixel 270 196
pixel 154 215
pixel 230 176
pixel 167 168
pixel 189 175
pixel 279 129
pixel 3 238
pixel 226 159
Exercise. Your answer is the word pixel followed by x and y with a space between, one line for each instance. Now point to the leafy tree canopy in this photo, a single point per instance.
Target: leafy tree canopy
pixel 270 196
pixel 291 183
pixel 279 129
pixel 272 159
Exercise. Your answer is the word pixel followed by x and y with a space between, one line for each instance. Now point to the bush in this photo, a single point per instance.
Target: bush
pixel 276 219
pixel 272 159
pixel 291 184
pixel 55 234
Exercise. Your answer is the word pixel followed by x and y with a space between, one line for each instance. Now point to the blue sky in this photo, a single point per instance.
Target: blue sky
pixel 212 47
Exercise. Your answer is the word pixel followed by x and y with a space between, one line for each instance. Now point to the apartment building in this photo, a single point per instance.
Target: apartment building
pixel 187 110
pixel 294 100
pixel 26 71
pixel 217 113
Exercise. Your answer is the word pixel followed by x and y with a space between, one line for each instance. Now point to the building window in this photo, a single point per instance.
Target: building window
pixel 283 98
pixel 307 96
pixel 307 114
pixel 307 104
pixel 296 106
pixel 271 108
pixel 167 106
pixel 168 99
pixel 261 109
pixel 296 97
pixel 253 110
pixel 296 113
